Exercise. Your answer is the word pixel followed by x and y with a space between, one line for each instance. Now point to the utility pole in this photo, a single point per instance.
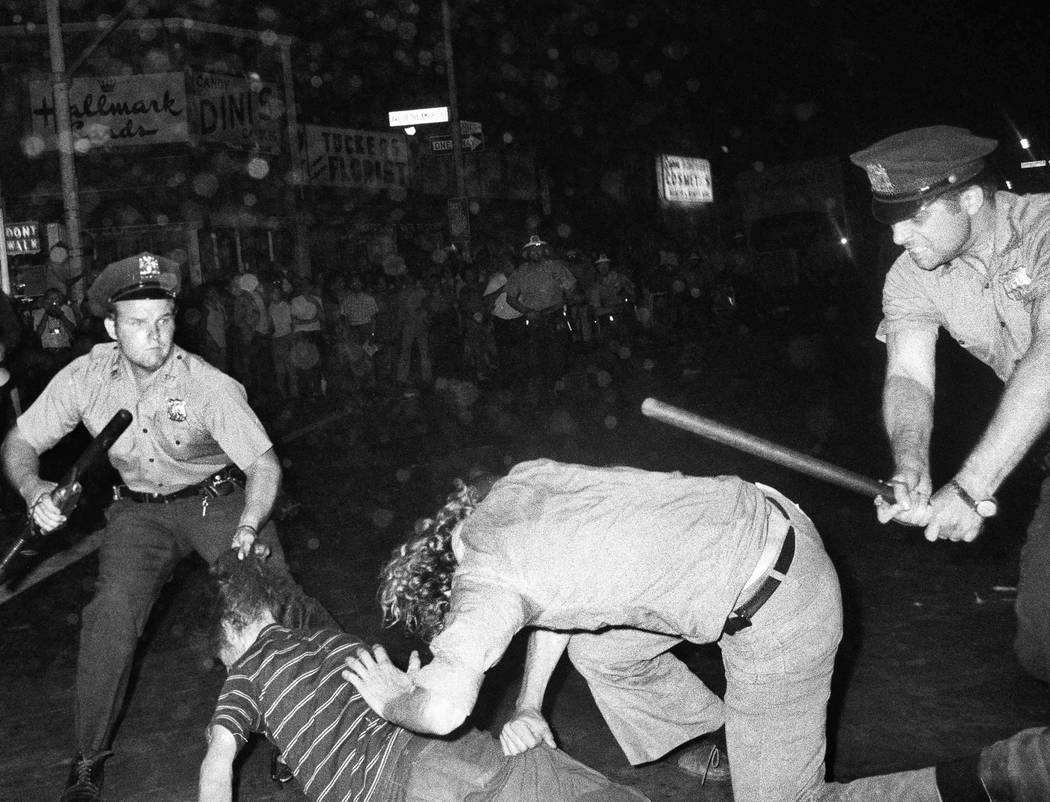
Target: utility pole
pixel 453 119
pixel 296 173
pixel 66 163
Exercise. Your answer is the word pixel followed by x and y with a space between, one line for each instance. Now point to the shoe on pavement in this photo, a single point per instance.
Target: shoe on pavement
pixel 1018 768
pixel 280 772
pixel 85 779
pixel 706 760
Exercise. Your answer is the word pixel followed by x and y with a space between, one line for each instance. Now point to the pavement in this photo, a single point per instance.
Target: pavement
pixel 925 671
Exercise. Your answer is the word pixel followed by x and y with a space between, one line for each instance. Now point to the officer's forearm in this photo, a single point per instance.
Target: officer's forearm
pixel 1021 417
pixel 907 409
pixel 21 465
pixel 263 480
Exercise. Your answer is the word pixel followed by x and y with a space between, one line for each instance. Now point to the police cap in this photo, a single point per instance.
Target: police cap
pixel 142 276
pixel 909 169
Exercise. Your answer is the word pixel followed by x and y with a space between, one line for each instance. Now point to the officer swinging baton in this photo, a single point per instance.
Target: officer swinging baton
pixel 66 495
pixel 789 458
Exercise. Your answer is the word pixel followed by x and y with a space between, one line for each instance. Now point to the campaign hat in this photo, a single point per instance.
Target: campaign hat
pixel 602 258
pixel 910 169
pixel 143 276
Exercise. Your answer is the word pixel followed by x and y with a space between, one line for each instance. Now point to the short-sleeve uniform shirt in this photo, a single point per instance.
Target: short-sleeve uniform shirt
pixel 189 422
pixel 540 284
pixel 571 547
pixel 987 311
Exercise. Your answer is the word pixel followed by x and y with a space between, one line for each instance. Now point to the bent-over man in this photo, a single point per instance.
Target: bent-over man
pixel 618 565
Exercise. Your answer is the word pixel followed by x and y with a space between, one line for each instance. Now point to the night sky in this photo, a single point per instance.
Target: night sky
pixel 594 81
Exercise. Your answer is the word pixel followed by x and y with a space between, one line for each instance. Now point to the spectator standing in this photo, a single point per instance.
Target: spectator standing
pixel 55 325
pixel 214 324
pixel 508 325
pixel 308 318
pixel 415 330
pixel 281 342
pixel 359 308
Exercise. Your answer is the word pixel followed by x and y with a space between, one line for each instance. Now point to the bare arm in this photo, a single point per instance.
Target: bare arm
pixel 216 779
pixel 528 728
pixel 907 409
pixel 1021 417
pixel 22 469
pixel 400 699
pixel 262 481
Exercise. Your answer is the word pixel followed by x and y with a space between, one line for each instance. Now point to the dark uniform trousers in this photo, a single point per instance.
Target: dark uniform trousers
pixel 141 546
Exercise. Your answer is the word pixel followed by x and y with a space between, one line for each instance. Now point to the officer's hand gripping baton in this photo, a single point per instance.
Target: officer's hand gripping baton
pixel 66 495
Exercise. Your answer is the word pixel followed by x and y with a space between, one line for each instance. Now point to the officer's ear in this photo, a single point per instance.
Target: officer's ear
pixel 972 199
pixel 111 325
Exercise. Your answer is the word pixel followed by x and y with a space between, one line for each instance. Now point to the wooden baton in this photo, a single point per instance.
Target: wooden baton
pixel 766 449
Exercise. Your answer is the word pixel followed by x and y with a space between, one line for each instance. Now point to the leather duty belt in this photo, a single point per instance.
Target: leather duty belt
pixel 220 483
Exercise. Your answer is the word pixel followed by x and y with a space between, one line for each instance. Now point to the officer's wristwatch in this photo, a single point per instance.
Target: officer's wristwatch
pixel 986 507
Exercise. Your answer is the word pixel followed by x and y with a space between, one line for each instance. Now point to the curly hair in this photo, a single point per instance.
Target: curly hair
pixel 415 584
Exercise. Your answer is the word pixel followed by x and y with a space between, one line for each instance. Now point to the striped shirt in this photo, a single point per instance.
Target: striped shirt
pixel 288 687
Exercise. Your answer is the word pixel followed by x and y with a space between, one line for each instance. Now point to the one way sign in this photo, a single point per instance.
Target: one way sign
pixel 471 142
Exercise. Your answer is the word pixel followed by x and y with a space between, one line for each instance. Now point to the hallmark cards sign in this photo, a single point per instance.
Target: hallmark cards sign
pixel 347 157
pixel 117 111
pixel 683 180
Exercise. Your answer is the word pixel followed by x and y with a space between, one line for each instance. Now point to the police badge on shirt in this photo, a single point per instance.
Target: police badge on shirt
pixel 176 410
pixel 1016 282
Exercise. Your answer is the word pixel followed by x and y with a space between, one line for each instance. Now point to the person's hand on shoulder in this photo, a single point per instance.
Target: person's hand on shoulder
pixel 377 679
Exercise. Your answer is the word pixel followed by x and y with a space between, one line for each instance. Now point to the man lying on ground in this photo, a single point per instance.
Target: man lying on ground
pixel 286 684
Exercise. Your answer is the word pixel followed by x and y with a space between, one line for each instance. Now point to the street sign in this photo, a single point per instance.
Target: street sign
pixel 1033 163
pixel 22 238
pixel 401 119
pixel 469 142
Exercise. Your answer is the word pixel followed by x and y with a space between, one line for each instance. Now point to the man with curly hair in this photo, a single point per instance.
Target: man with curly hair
pixel 286 683
pixel 618 565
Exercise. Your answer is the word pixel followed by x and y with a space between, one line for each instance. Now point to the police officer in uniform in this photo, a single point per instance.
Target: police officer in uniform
pixel 976 263
pixel 198 473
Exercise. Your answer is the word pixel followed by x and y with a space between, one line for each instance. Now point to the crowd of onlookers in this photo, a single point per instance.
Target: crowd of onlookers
pixel 512 316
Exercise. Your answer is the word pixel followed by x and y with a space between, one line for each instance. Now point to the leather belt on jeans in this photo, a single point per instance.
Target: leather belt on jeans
pixel 220 483
pixel 741 617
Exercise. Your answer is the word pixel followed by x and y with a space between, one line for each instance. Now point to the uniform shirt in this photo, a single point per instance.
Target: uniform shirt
pixel 570 547
pixel 189 422
pixel 542 284
pixel 989 314
pixel 289 687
